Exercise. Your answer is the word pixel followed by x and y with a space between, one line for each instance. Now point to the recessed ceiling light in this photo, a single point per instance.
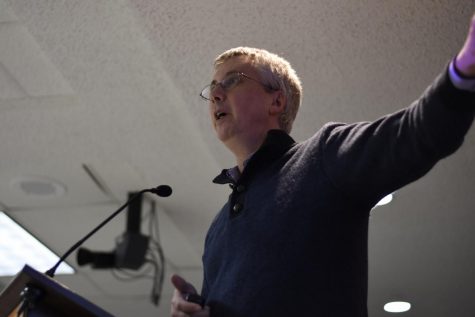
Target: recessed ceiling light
pixel 397 307
pixel 38 186
pixel 386 200
pixel 18 247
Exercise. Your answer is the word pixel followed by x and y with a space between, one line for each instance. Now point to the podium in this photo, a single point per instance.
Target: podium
pixel 54 299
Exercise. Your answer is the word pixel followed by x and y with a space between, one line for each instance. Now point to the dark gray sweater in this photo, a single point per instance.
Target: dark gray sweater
pixel 292 238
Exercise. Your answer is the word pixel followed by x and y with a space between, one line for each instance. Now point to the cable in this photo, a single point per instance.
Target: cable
pixel 158 256
pixel 154 267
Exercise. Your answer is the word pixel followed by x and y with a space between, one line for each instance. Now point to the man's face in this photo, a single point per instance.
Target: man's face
pixel 241 112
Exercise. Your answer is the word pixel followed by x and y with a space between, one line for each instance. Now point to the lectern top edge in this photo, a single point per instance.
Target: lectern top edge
pixel 56 301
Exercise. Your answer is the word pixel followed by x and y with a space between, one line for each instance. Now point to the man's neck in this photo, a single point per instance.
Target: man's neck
pixel 244 148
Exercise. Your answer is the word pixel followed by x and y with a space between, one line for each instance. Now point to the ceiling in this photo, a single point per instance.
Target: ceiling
pixel 113 86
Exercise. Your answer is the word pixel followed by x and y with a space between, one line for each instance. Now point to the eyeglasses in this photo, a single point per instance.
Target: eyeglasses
pixel 228 83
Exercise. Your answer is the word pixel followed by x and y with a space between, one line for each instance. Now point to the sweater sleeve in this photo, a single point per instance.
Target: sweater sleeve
pixel 368 160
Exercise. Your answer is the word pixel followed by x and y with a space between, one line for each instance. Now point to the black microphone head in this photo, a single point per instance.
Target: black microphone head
pixel 162 190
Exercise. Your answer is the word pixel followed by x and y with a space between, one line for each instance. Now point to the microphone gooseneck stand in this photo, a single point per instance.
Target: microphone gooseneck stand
pixel 31 294
pixel 162 190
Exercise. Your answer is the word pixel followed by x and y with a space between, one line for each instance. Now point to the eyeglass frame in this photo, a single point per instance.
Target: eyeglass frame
pixel 212 86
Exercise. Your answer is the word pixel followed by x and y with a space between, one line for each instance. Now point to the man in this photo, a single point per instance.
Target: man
pixel 292 238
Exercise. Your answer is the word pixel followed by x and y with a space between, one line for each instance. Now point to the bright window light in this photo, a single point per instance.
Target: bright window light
pixel 18 247
pixel 397 307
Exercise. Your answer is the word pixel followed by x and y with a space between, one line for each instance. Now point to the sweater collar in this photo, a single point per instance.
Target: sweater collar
pixel 276 143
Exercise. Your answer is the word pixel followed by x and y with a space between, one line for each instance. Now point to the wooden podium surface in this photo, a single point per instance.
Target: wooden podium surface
pixel 57 300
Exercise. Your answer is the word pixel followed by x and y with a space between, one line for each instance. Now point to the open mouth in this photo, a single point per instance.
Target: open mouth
pixel 218 115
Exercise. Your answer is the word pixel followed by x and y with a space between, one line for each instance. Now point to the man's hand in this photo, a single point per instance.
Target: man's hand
pixel 180 307
pixel 465 59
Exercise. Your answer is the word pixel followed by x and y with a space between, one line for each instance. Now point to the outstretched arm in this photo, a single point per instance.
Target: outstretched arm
pixel 371 159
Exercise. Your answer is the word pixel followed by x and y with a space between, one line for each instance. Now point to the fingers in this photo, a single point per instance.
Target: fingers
pixel 181 307
pixel 465 59
pixel 182 285
pixel 472 24
pixel 202 313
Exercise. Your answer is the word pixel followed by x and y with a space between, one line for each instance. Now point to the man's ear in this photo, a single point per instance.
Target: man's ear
pixel 278 103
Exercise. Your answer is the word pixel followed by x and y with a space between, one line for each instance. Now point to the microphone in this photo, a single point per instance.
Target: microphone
pixel 162 191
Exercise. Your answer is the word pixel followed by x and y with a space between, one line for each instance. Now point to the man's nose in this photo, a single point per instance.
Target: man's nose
pixel 217 94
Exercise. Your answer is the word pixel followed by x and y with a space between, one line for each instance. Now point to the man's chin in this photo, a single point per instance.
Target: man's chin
pixel 222 134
